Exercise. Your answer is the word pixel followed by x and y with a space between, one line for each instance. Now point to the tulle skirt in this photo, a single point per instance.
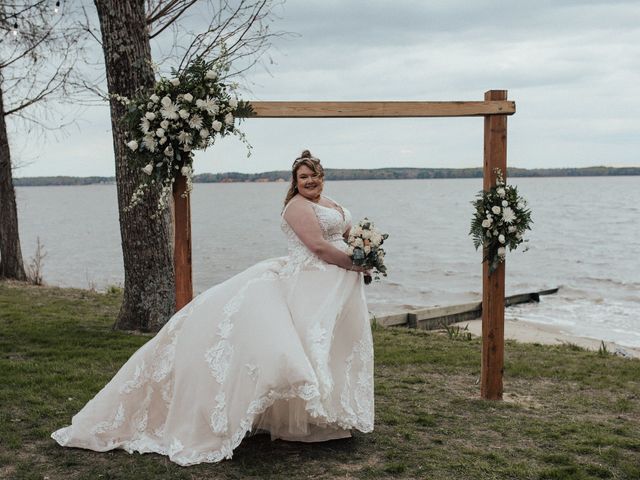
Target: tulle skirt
pixel 273 348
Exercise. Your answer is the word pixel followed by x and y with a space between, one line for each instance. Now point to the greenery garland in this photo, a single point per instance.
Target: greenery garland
pixel 500 220
pixel 179 115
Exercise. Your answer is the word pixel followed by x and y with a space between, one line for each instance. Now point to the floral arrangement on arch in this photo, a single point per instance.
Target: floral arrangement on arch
pixel 181 114
pixel 500 220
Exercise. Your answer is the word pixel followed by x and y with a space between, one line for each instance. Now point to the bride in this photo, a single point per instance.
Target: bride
pixel 284 346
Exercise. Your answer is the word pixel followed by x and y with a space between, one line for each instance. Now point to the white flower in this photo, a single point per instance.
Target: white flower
pixel 154 98
pixel 488 233
pixel 501 238
pixel 164 124
pixel 511 229
pixel 148 169
pixel 187 97
pixel 204 133
pixel 519 236
pixel 233 103
pixel 166 101
pixel 195 121
pixel 357 231
pixel 508 215
pixel 486 223
pixel 133 145
pixel 501 192
pixel 358 243
pixel 502 251
pixel 211 74
pixel 175 82
pixel 160 132
pixel 495 209
pixel 228 119
pixel 521 205
pixel 216 125
pixel 150 116
pixel 169 111
pixel 163 140
pixel 184 137
pixel 367 249
pixel 168 151
pixel 186 171
pixel 183 114
pixel 149 142
pixel 210 105
pixel 495 232
pixel 145 125
pixel 366 234
pixel 505 203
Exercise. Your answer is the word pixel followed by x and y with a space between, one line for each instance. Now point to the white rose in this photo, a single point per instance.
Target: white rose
pixel 486 223
pixel 160 132
pixel 216 125
pixel 183 114
pixel 168 151
pixel 502 251
pixel 211 74
pixel 200 103
pixel 150 116
pixel 166 101
pixel 512 229
pixel 148 169
pixel 185 171
pixel 366 234
pixel 233 103
pixel 495 209
pixel 356 232
pixel 163 140
pixel 154 98
pixel 228 119
pixel 358 243
pixel 204 133
pixel 164 124
pixel 501 192
pixel 187 97
pixel 133 145
pixel 175 82
pixel 505 203
pixel 501 238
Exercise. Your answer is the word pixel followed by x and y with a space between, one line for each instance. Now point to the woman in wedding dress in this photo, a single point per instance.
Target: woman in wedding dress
pixel 284 346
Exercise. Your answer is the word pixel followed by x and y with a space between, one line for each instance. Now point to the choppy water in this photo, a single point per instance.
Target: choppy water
pixel 585 239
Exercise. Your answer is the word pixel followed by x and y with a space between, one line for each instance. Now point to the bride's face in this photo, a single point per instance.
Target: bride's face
pixel 309 183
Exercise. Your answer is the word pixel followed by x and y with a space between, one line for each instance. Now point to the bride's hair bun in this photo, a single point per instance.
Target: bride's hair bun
pixel 305 154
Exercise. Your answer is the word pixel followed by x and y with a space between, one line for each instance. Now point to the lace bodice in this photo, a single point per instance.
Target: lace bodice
pixel 333 226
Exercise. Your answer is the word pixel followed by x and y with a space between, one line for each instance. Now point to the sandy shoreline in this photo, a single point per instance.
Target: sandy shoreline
pixel 531 332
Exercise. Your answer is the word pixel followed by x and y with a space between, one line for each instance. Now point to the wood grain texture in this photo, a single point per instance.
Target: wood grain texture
pixel 381 109
pixel 495 156
pixel 182 243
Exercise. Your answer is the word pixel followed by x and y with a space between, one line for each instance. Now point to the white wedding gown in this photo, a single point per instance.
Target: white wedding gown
pixel 284 346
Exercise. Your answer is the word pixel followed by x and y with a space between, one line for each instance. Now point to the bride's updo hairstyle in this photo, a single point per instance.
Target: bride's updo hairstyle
pixel 310 161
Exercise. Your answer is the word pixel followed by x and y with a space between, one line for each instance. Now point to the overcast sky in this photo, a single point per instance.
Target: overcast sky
pixel 572 67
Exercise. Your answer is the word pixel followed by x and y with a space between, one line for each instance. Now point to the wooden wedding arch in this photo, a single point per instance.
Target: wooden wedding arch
pixel 495 108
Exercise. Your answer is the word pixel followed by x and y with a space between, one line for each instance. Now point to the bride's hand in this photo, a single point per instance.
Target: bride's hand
pixel 358 268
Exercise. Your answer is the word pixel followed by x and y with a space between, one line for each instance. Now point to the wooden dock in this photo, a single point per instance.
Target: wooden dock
pixel 435 317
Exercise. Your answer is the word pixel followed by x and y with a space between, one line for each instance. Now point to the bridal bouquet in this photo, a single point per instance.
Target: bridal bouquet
pixel 500 220
pixel 365 248
pixel 181 114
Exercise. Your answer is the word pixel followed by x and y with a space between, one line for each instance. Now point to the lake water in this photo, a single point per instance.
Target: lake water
pixel 585 240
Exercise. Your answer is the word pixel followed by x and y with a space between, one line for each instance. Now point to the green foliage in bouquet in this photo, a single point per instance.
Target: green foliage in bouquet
pixel 500 220
pixel 181 114
pixel 365 248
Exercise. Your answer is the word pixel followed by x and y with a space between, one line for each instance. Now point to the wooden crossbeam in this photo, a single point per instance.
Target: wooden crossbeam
pixel 381 109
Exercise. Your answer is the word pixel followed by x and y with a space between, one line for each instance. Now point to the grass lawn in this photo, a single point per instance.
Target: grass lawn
pixel 567 414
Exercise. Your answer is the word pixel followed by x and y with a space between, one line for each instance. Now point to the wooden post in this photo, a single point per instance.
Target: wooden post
pixel 495 156
pixel 182 243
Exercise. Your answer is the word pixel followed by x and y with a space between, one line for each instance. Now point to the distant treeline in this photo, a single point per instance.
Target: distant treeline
pixel 354 174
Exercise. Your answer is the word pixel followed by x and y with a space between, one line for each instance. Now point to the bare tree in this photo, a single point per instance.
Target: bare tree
pixel 126 27
pixel 38 51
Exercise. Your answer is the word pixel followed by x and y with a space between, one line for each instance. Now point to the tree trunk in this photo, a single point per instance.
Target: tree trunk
pixel 149 281
pixel 11 265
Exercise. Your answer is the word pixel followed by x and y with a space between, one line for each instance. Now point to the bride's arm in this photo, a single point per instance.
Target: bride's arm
pixel 303 221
